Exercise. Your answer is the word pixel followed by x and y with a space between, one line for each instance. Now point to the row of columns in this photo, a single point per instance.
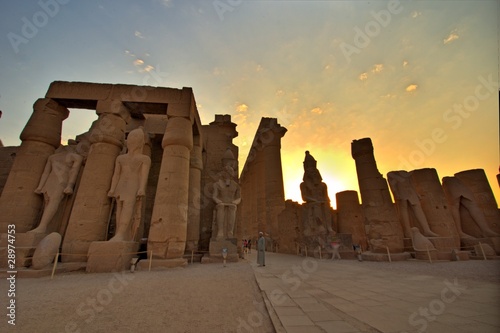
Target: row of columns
pixel 178 182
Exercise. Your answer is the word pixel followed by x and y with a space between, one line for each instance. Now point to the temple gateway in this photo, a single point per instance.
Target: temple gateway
pixel 149 181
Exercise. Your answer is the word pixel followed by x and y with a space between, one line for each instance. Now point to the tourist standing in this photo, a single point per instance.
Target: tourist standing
pixel 261 250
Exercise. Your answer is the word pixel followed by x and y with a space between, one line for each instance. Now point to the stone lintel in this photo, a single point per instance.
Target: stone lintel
pixel 78 90
pixel 115 107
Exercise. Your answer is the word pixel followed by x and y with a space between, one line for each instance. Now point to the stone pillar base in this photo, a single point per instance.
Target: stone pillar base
pixel 408 245
pixel 25 244
pixel 215 251
pixel 496 244
pixel 424 255
pixel 110 256
pixel 443 244
pixel 373 256
pixel 156 264
pixel 468 244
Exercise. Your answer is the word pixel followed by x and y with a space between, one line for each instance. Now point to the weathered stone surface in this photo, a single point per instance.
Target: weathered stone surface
pixel 478 184
pixel 383 227
pixel 217 139
pixel 128 187
pixel 91 211
pixel 434 204
pixel 215 251
pixel 262 182
pixel 168 230
pixel 111 256
pixel 40 137
pixel 290 227
pixel 46 251
pixel 350 217
pixel 7 156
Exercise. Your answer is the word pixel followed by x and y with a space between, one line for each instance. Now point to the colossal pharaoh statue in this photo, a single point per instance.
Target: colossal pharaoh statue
pixel 407 199
pixel 460 196
pixel 227 196
pixel 128 186
pixel 58 181
pixel 318 222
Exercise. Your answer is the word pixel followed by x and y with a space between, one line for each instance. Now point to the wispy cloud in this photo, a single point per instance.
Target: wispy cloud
pixel 415 14
pixel 166 3
pixel 138 34
pixel 411 87
pixel 377 68
pixel 138 62
pixel 317 111
pixel 451 37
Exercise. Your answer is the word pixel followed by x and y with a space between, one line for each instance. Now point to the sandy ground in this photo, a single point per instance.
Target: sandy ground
pixel 198 298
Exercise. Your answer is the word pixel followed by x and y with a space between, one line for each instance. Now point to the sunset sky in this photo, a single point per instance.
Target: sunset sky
pixel 420 78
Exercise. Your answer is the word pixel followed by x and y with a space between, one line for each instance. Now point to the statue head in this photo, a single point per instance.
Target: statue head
pixel 309 161
pixel 135 140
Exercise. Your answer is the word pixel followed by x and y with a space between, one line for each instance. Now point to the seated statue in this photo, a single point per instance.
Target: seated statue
pixel 128 185
pixel 227 196
pixel 460 195
pixel 407 199
pixel 315 194
pixel 57 181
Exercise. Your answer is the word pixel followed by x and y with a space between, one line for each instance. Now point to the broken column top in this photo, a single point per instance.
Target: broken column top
pixel 361 147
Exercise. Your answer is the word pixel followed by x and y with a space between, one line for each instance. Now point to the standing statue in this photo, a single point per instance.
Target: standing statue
pixel 57 181
pixel 128 185
pixel 227 196
pixel 460 195
pixel 407 199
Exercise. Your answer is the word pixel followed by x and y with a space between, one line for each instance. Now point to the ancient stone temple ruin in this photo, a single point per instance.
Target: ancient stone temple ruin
pixel 146 177
pixel 456 218
pixel 149 181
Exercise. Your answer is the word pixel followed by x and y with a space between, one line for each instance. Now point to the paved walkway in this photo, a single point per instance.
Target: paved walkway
pixel 309 295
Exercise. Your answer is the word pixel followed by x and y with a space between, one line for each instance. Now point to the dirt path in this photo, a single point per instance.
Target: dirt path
pixel 199 298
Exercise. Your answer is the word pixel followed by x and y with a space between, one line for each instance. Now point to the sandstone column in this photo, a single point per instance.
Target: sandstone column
pixel 193 222
pixel 41 135
pixel 167 234
pixel 274 189
pixel 383 227
pixel 90 215
pixel 351 218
